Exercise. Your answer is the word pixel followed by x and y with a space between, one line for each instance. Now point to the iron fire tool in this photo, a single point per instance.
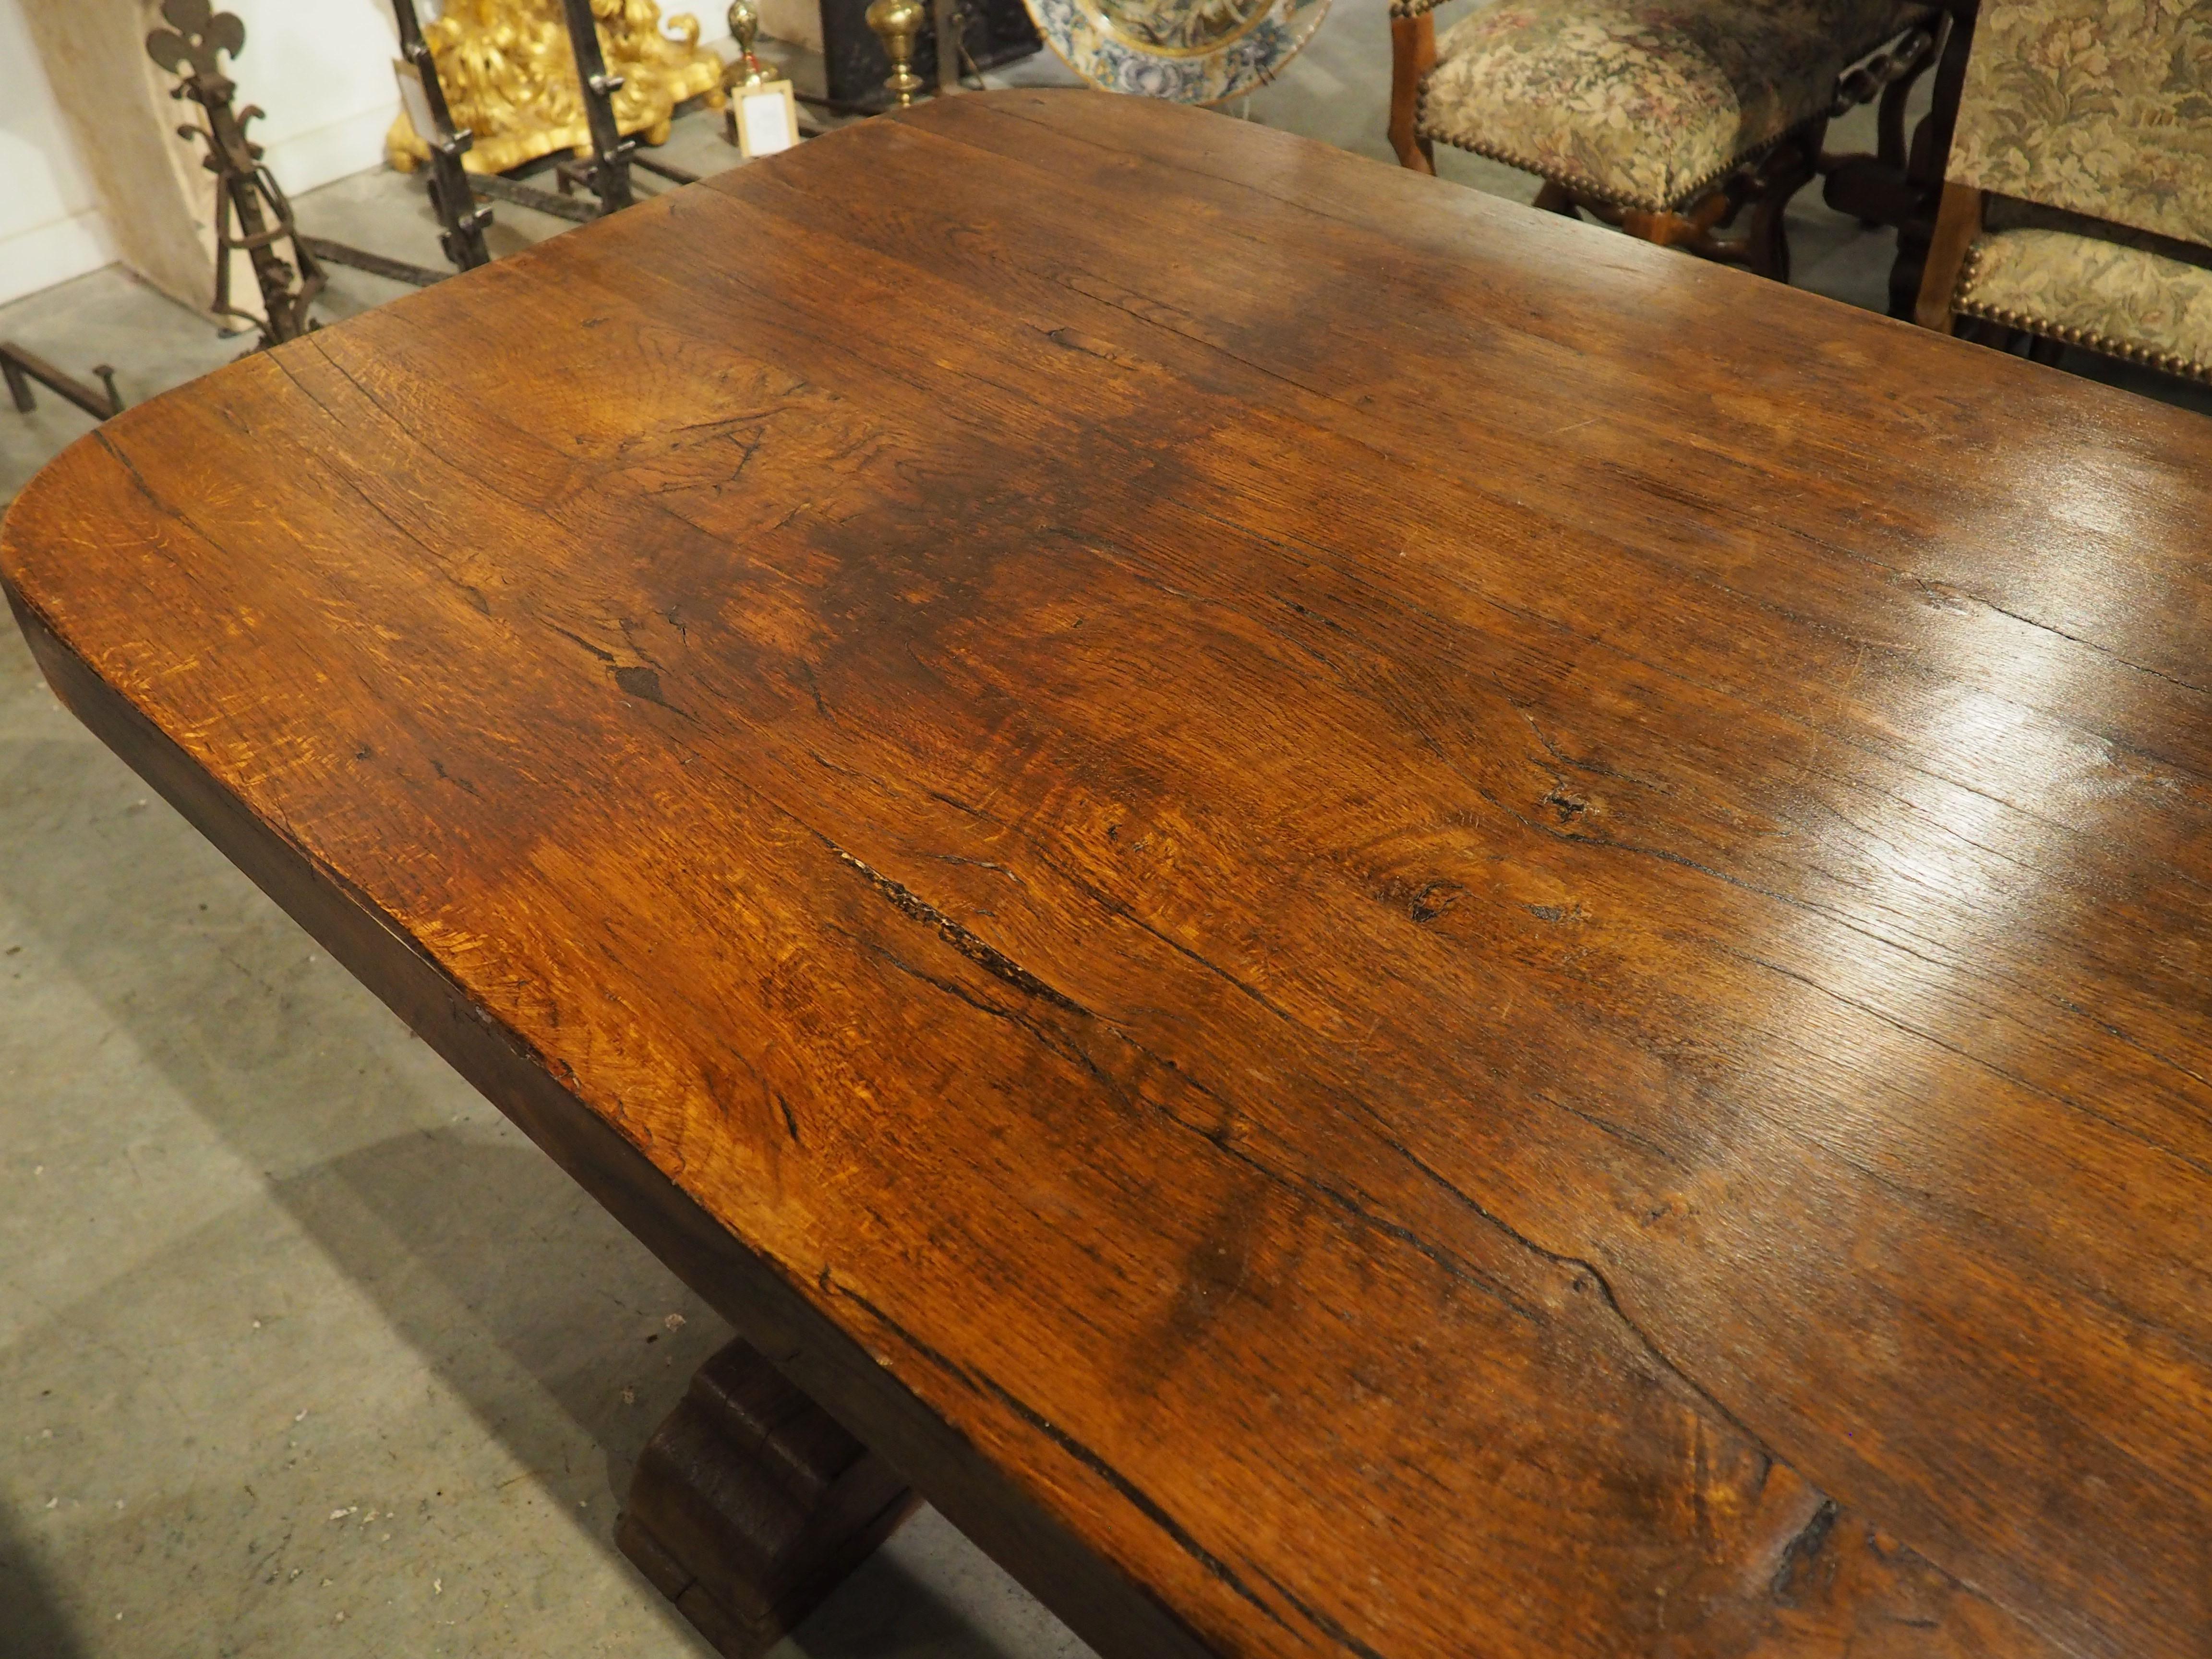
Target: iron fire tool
pixel 465 223
pixel 245 190
pixel 569 174
pixel 20 368
pixel 453 189
pixel 612 154
pixel 652 164
pixel 610 151
pixel 451 181
pixel 246 193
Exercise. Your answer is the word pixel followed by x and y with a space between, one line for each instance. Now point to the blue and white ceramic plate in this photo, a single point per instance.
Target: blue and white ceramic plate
pixel 1192 51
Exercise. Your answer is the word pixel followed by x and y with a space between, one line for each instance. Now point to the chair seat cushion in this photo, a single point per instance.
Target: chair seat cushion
pixel 1640 103
pixel 2113 296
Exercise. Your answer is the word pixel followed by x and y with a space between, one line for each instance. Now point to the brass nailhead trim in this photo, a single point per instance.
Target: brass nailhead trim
pixel 2088 339
pixel 1589 187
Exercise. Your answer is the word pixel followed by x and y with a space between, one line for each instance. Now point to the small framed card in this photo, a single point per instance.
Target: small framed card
pixel 765 114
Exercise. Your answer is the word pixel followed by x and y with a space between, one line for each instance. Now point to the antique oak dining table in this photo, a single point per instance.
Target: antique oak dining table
pixel 1379 925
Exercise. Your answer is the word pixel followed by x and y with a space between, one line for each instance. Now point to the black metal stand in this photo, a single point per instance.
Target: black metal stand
pixel 572 174
pixel 245 193
pixel 465 223
pixel 610 151
pixel 501 188
pixel 674 175
pixel 360 258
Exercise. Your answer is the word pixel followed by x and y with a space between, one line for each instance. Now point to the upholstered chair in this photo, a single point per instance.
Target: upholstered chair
pixel 1671 119
pixel 2078 205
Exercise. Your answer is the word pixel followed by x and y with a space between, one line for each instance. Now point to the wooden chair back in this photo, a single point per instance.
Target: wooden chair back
pixel 2098 107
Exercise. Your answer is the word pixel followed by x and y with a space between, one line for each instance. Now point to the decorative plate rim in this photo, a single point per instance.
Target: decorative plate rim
pixel 1248 60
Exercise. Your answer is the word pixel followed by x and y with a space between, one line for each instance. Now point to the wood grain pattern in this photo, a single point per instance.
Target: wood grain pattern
pixel 1366 969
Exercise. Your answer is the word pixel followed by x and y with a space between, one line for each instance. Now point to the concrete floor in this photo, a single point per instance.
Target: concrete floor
pixel 301 1347
pixel 299 1342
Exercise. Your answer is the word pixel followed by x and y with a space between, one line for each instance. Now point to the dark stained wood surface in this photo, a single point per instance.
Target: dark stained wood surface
pixel 749 1505
pixel 1384 926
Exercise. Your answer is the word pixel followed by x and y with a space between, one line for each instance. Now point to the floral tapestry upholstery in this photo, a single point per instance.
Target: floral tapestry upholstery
pixel 2101 107
pixel 1642 103
pixel 2107 288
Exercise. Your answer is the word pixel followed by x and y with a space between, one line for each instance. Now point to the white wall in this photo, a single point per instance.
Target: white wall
pixel 320 69
pixel 50 224
pixel 714 17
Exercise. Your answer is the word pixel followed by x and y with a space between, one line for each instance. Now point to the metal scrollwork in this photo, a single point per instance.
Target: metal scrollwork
pixel 251 213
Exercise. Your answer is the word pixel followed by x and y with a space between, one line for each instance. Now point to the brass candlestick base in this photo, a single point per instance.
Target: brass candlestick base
pixel 510 78
pixel 752 88
pixel 745 29
pixel 747 71
pixel 898 24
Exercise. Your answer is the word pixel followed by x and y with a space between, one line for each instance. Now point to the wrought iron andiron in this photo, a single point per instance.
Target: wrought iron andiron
pixel 20 368
pixel 610 151
pixel 465 221
pixel 244 191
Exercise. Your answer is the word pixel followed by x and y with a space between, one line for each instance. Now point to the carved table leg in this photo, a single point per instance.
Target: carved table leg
pixel 750 1504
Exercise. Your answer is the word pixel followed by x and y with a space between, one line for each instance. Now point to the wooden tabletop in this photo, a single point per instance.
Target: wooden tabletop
pixel 1387 927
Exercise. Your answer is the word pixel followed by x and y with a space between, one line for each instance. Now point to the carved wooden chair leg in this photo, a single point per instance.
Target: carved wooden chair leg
pixel 1693 226
pixel 1874 188
pixel 1412 55
pixel 750 1504
pixel 1660 228
pixel 1766 248
pixel 1889 116
pixel 1929 153
pixel 1958 222
pixel 1555 198
pixel 1788 169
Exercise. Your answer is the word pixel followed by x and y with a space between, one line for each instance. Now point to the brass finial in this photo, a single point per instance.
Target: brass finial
pixel 898 24
pixel 745 29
